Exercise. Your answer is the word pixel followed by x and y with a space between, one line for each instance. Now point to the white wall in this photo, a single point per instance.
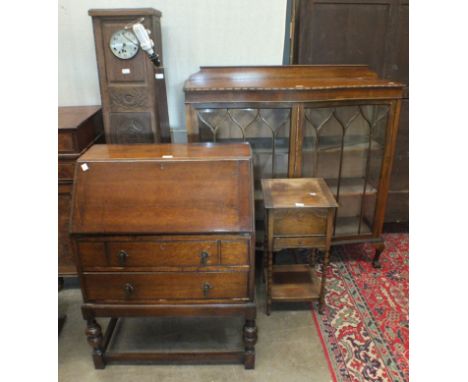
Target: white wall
pixel 195 33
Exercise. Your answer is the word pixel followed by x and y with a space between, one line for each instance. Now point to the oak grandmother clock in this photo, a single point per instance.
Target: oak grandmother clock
pixel 133 90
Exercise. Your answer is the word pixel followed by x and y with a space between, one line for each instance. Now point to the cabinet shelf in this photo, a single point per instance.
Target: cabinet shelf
pixel 349 226
pixel 327 144
pixel 350 187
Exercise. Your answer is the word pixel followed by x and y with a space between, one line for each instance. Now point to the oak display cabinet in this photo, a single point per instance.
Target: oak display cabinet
pixel 337 122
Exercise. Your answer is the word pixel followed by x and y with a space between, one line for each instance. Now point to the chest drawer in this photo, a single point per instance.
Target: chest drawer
pixel 139 287
pixel 66 170
pixel 163 253
pixel 66 142
pixel 300 221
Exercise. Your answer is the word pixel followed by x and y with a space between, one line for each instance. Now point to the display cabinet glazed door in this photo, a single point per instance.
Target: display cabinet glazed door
pixel 345 146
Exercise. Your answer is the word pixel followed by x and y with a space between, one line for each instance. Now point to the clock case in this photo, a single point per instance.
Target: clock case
pixel 133 91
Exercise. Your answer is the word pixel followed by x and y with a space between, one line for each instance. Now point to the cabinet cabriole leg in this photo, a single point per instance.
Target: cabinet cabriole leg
pixel 326 262
pixel 379 248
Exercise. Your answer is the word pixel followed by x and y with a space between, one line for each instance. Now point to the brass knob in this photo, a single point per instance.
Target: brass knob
pixel 122 257
pixel 203 257
pixel 206 288
pixel 128 289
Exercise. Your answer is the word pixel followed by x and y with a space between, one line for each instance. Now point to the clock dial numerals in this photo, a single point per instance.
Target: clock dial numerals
pixel 123 44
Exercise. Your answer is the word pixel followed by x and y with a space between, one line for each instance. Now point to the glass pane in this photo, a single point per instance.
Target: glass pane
pixel 345 146
pixel 267 131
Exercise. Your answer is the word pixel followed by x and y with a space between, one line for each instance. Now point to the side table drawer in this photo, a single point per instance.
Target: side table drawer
pixel 126 287
pixel 163 253
pixel 298 242
pixel 300 221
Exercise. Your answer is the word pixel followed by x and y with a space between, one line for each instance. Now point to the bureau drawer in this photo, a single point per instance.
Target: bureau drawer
pixel 92 254
pixel 163 253
pixel 300 221
pixel 136 287
pixel 235 252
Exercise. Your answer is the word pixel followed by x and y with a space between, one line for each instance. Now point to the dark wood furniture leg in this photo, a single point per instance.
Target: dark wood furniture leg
pixel 312 256
pixel 326 262
pixel 250 339
pixel 95 340
pixel 265 259
pixel 269 281
pixel 62 317
pixel 379 248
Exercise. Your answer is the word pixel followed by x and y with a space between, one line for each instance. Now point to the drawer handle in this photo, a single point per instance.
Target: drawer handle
pixel 128 289
pixel 204 257
pixel 206 289
pixel 122 257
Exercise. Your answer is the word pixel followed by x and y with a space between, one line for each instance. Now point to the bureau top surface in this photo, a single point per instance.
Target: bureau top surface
pixel 168 152
pixel 287 77
pixel 70 117
pixel 297 193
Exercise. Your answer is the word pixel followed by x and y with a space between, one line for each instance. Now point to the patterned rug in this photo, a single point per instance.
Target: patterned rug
pixel 364 330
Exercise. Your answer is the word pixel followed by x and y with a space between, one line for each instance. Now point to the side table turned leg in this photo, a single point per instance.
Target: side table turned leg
pixel 326 263
pixel 94 336
pixel 312 256
pixel 379 248
pixel 269 282
pixel 250 339
pixel 265 263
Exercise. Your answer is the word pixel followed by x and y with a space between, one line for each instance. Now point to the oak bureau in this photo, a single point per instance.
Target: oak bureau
pixel 165 230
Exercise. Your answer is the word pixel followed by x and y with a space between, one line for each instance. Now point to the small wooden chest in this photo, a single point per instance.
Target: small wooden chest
pixel 78 128
pixel 165 230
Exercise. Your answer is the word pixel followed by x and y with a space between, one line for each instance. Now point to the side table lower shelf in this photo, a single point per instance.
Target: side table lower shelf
pixel 296 282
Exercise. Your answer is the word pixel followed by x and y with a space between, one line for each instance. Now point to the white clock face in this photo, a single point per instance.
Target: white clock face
pixel 124 44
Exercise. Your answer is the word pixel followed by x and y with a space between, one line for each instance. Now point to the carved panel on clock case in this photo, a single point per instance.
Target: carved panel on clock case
pixel 131 128
pixel 128 99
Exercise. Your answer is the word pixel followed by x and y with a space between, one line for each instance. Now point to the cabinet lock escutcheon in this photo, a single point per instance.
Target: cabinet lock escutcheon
pixel 206 288
pixel 122 257
pixel 204 257
pixel 128 289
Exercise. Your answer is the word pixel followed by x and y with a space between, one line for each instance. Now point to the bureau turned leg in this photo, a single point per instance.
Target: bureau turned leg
pixel 379 248
pixel 95 340
pixel 326 263
pixel 250 339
